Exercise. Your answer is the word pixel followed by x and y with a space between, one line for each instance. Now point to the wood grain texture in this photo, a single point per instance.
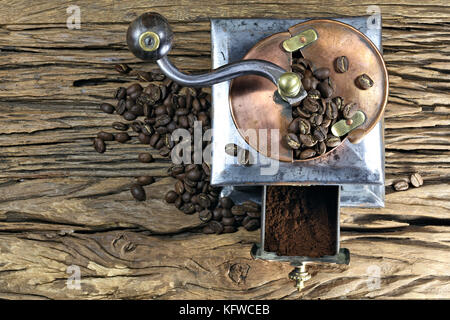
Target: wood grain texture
pixel 62 204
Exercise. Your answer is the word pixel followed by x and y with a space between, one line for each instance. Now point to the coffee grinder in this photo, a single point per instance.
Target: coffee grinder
pixel 253 93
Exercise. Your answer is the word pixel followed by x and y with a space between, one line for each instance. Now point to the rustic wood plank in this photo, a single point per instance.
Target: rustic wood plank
pixel 61 203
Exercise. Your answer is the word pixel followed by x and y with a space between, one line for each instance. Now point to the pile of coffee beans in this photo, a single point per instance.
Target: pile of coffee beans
pixel 309 132
pixel 153 112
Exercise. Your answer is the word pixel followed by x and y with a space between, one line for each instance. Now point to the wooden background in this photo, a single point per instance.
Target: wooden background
pixel 62 204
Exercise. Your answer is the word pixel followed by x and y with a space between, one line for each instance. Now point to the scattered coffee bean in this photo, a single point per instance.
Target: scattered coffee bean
pixel 349 110
pixel 138 192
pixel 171 196
pixel 321 73
pixel 145 157
pixel 105 136
pixel 307 153
pixel 107 108
pixel 122 137
pixel 145 180
pixel 416 180
pixel 205 215
pixel 401 185
pixel 120 126
pixel 122 68
pixel 99 145
pixel 292 141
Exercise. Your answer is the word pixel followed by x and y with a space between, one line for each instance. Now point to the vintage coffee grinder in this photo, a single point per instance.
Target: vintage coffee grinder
pixel 254 91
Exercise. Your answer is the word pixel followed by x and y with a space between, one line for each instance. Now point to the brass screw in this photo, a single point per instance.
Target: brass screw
pixel 300 275
pixel 289 84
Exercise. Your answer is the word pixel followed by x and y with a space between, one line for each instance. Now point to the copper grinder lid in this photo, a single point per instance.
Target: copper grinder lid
pixel 252 98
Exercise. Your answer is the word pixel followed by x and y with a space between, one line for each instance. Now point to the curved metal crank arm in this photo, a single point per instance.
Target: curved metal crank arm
pixel 150 37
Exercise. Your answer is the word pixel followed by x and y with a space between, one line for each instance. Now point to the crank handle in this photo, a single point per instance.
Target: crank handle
pixel 150 38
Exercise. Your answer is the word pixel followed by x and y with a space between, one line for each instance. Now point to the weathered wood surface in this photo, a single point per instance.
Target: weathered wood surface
pixel 62 204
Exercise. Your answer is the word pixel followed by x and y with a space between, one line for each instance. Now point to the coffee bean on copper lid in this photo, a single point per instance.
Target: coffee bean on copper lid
pixel 105 136
pixel 138 192
pixel 364 82
pixel 349 110
pixel 307 153
pixel 341 64
pixel 145 180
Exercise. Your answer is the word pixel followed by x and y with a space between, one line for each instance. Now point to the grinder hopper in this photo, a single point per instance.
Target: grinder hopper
pixel 261 95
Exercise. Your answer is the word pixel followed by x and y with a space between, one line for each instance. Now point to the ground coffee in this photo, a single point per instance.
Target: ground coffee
pixel 301 221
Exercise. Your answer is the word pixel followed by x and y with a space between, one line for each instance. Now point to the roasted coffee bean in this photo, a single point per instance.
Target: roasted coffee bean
pixel 254 214
pixel 251 206
pixel 99 145
pixel 298 68
pixel 401 185
pixel 162 120
pixel 331 109
pixel 307 140
pixel 307 82
pixel 304 126
pixel 302 113
pixel 136 126
pixel 231 149
pixel 294 126
pixel 129 116
pixel 162 131
pixel 194 175
pixel 121 107
pixel 252 225
pixel 154 139
pixel 179 187
pixel 349 110
pixel 226 202
pixel 120 126
pixel 244 157
pixel 226 213
pixel 178 203
pixel 203 200
pixel 191 167
pixel 333 142
pixel 307 153
pixel 314 94
pixel 310 105
pixel 320 133
pixel 143 138
pixel 122 137
pixel 176 170
pixel 217 214
pixel 205 215
pixel 229 229
pixel 145 157
pixel 105 136
pixel 216 226
pixel 186 197
pixel 364 82
pixel 188 208
pixel 171 126
pixel 207 230
pixel 326 90
pixel 164 151
pixel 122 68
pixel 121 93
pixel 326 122
pixel 316 119
pixel 145 180
pixel 134 90
pixel 144 76
pixel 183 122
pixel 238 210
pixel 339 102
pixel 321 73
pixel 416 180
pixel 321 148
pixel 129 103
pixel 138 192
pixel 206 168
pixel 228 221
pixel 160 110
pixel 292 141
pixel 341 64
pixel 107 108
pixel 171 196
